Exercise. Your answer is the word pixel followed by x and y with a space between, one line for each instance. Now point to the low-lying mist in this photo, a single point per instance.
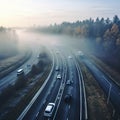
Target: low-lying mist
pixel 35 40
pixel 8 43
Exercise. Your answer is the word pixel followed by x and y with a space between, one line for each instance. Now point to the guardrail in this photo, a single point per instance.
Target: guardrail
pixel 80 84
pixel 82 96
pixel 22 115
pixel 109 91
pixel 85 105
pixel 81 81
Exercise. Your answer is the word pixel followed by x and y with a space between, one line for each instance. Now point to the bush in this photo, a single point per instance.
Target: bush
pixel 34 70
pixel 6 93
pixel 21 82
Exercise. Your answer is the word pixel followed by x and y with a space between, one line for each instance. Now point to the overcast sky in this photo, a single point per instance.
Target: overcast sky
pixel 45 12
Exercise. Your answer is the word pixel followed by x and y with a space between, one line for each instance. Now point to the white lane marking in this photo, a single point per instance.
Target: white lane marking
pixel 106 79
pixel 37 114
pixel 69 106
pixel 48 93
pixel 22 115
pixel 44 101
pixel 103 77
pixel 67 118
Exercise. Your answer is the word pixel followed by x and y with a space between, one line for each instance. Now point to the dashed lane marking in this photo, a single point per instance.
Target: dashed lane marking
pixel 37 114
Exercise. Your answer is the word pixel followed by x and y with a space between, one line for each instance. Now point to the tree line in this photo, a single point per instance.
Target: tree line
pixel 103 33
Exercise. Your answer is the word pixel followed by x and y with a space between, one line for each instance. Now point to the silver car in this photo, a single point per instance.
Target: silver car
pixel 49 110
pixel 59 76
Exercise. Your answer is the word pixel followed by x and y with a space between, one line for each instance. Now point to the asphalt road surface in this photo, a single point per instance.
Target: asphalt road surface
pixel 56 89
pixel 111 90
pixel 12 77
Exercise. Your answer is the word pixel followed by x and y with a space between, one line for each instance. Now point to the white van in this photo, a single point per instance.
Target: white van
pixel 20 72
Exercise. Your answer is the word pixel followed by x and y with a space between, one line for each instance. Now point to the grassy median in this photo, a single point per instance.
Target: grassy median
pixel 15 112
pixel 17 97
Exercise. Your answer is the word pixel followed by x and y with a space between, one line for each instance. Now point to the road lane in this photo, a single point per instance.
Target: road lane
pixel 55 95
pixel 12 77
pixel 47 94
pixel 70 111
pixel 106 84
pixel 55 90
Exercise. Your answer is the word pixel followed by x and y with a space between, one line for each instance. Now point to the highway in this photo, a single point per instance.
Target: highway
pixel 77 109
pixel 109 87
pixel 55 90
pixel 12 77
pixel 47 94
pixel 70 110
pixel 31 44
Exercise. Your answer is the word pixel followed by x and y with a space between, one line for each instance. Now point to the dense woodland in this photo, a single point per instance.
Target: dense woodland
pixel 8 42
pixel 104 34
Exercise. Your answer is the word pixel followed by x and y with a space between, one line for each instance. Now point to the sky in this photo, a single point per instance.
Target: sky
pixel 23 13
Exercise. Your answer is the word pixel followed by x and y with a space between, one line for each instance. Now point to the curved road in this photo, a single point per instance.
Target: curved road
pixel 12 77
pixel 55 90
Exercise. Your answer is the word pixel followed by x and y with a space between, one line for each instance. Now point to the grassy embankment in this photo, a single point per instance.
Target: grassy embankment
pixel 15 112
pixel 98 109
pixel 34 81
pixel 110 71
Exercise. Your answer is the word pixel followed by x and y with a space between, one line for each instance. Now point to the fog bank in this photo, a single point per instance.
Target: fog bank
pixel 8 43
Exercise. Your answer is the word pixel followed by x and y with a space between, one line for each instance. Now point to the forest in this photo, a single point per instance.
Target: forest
pixel 103 34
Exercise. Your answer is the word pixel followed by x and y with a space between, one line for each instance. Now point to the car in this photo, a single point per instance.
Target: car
pixel 20 72
pixel 49 110
pixel 80 53
pixel 59 76
pixel 68 95
pixel 71 81
pixel 57 52
pixel 57 68
pixel 68 82
pixel 28 65
pixel 70 57
pixel 38 56
pixel 67 98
